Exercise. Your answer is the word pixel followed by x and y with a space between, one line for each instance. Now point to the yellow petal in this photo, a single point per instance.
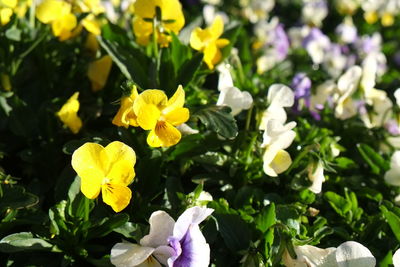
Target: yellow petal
pixel 142 30
pixel 50 10
pixel 91 183
pixel 91 43
pixel 222 42
pixel 387 19
pixel 68 114
pixel 370 17
pixel 64 25
pixel 117 196
pixel 89 158
pixel 125 115
pixel 197 39
pixel 118 151
pixel 177 116
pixel 91 25
pixel 153 140
pixel 9 3
pixel 5 15
pixel 146 8
pixel 122 172
pixel 281 162
pixel 167 134
pixel 178 99
pixel 217 28
pixel 98 72
pixel 147 116
pixel 211 55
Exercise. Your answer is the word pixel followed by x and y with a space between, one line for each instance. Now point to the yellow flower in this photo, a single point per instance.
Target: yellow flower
pixel 58 14
pixel 370 17
pixel 98 72
pixel 157 113
pixel 6 10
pixel 125 115
pixel 91 24
pixel 208 42
pixel 107 169
pixel 172 20
pixel 68 114
pixel 387 19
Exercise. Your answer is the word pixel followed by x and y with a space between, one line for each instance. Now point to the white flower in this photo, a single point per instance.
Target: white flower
pixel 322 93
pixel 230 95
pixel 256 10
pixel 210 13
pixel 314 12
pixel 392 176
pixel 397 96
pixel 382 108
pixel 316 176
pixel 348 254
pixel 277 137
pixel 346 31
pixel 279 96
pixel 396 258
pixel 347 85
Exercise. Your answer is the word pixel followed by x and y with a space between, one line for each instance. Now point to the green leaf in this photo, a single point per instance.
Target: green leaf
pixel 129 230
pixel 15 197
pixel 338 203
pixel 374 160
pixel 234 231
pixel 393 221
pixel 231 34
pixel 219 120
pixel 132 63
pixel 23 241
pixel 14 34
pixel 188 70
pixel 266 219
pixel 108 225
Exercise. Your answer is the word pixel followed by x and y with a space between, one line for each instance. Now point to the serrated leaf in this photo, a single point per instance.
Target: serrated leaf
pixel 219 120
pixel 23 241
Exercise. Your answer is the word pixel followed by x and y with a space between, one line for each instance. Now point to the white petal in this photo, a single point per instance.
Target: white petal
pixel 273 112
pixel 235 99
pixel 353 254
pixel 392 177
pixel 161 227
pixel 310 256
pixel 396 258
pixel 317 178
pixel 370 67
pixel 348 82
pixel 127 254
pixel 192 216
pixel 163 253
pixel 280 95
pixel 186 129
pixel 397 96
pixel 280 162
pixel 395 160
pixel 225 77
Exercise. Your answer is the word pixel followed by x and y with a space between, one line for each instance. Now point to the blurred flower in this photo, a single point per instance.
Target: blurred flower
pixel 98 72
pixel 279 97
pixel 171 20
pixel 210 13
pixel 347 7
pixel 208 42
pixel 277 137
pixel 346 31
pixel 316 44
pixel 58 14
pixel 159 115
pixel 346 86
pixel 125 115
pixel 335 61
pixel 396 258
pixel 302 91
pixel 6 10
pixel 314 12
pixel 273 42
pixel 397 96
pixel 68 114
pixel 350 253
pixel 256 10
pixel 171 243
pixel 322 95
pixel 109 170
pixel 316 176
pixel 392 176
pixel 230 95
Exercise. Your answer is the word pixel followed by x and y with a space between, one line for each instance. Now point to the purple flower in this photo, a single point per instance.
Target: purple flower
pixel 392 127
pixel 281 42
pixel 191 248
pixel 302 90
pixel 316 43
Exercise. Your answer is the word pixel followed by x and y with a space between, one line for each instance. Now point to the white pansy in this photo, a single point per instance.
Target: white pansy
pixel 392 176
pixel 397 96
pixel 314 12
pixel 370 68
pixel 277 137
pixel 347 85
pixel 346 31
pixel 230 95
pixel 210 12
pixel 279 97
pixel 256 10
pixel 396 258
pixel 382 108
pixel 322 93
pixel 348 254
pixel 152 246
pixel 316 176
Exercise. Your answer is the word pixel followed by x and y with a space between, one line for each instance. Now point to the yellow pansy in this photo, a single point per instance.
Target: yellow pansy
pixel 107 169
pixel 91 24
pixel 157 113
pixel 58 14
pixel 68 114
pixel 98 72
pixel 125 115
pixel 172 20
pixel 6 10
pixel 208 42
pixel 89 6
